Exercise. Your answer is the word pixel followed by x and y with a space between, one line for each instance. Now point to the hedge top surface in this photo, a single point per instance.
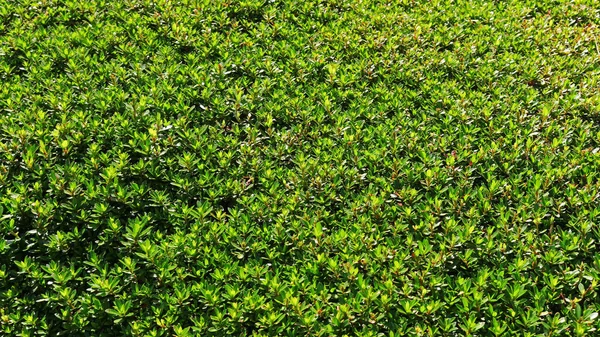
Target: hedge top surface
pixel 294 168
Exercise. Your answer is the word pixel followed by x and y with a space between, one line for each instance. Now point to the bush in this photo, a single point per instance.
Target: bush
pixel 293 168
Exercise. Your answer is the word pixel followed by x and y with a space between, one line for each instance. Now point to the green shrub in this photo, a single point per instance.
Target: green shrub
pixel 294 168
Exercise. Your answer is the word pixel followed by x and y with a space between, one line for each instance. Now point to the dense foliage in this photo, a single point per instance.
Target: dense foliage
pixel 318 167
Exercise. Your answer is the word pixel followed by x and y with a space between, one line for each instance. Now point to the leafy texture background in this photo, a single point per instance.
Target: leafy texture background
pixel 293 168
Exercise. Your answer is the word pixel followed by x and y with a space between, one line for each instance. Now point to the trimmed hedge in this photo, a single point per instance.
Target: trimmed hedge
pixel 294 168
